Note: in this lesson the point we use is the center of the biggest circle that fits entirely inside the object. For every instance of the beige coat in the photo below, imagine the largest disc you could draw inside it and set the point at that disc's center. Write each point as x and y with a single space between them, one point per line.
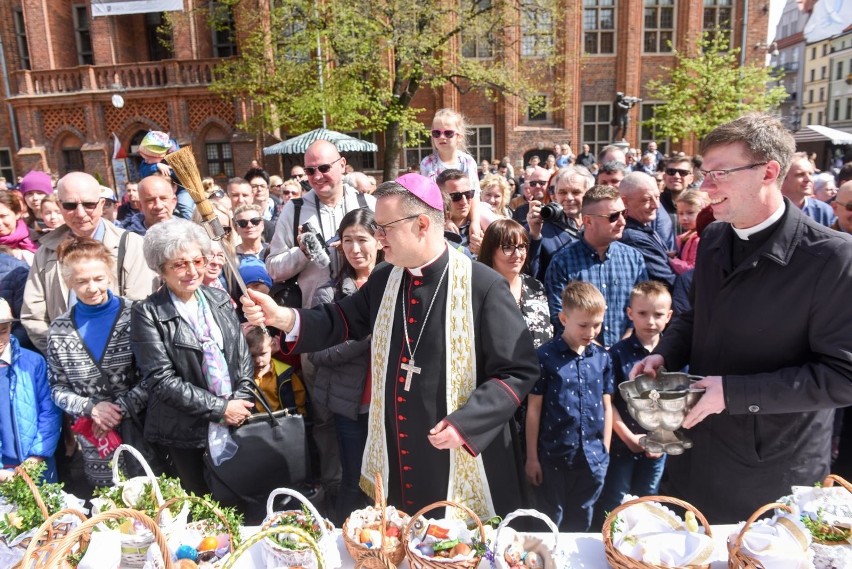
46 295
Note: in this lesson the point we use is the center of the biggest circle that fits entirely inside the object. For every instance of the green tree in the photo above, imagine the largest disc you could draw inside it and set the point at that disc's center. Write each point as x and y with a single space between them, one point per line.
360 63
708 89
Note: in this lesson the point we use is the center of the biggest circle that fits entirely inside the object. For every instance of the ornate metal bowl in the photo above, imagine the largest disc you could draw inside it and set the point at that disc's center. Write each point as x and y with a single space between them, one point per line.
660 405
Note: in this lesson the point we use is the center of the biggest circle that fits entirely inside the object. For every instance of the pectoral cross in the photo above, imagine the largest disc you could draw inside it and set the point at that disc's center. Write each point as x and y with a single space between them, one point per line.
410 370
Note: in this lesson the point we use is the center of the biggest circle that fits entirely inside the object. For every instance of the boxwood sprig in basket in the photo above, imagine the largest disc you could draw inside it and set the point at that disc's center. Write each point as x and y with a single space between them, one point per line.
147 503
28 514
201 512
823 531
304 520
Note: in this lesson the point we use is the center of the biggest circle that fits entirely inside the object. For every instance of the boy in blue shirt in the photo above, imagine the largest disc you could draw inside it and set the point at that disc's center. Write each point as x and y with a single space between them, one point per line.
632 470
569 413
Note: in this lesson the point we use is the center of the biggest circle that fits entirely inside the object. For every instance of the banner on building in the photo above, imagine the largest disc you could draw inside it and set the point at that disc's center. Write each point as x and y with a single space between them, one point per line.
122 7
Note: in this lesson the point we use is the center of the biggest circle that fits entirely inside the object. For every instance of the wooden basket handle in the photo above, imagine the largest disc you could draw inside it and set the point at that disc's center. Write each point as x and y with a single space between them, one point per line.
832 478
606 530
442 503
45 530
34 489
207 504
738 542
82 531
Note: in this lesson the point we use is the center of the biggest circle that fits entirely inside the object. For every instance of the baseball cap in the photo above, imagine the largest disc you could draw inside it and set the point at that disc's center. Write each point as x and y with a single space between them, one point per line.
107 194
254 271
6 312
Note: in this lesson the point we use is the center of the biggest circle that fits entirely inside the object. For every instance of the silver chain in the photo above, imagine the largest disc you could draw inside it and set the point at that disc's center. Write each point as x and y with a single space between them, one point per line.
428 312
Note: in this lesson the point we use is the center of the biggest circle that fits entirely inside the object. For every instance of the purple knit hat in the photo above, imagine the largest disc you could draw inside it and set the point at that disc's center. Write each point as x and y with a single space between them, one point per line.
36 181
424 188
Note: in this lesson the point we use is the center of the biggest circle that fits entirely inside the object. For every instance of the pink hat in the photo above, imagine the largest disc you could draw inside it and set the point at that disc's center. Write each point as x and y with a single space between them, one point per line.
36 181
424 188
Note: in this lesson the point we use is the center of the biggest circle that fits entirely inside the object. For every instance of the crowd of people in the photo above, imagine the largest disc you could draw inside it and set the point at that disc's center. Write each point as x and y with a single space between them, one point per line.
461 330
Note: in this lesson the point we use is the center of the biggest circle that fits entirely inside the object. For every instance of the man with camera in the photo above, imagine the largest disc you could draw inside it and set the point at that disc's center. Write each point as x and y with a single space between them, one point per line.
299 249
554 225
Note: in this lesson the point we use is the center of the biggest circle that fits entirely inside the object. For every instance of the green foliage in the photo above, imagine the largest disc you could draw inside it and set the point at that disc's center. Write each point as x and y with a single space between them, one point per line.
709 89
361 62
147 503
823 531
204 513
28 515
302 519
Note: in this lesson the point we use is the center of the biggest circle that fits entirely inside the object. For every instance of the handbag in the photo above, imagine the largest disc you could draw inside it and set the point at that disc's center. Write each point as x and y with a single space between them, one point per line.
272 453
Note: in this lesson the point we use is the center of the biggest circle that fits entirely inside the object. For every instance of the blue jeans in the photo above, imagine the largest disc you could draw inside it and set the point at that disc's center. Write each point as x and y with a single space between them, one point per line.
629 473
568 494
185 205
352 440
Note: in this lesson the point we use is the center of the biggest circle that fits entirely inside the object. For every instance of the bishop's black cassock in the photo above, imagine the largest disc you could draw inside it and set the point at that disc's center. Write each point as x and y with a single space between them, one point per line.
506 369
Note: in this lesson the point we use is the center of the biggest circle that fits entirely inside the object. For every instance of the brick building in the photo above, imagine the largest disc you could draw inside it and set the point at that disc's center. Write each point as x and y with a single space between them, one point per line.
64 68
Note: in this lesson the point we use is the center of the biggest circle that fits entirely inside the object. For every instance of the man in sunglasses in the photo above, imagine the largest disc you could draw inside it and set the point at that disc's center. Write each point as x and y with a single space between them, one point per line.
157 202
46 294
534 189
768 331
456 185
599 258
842 206
320 210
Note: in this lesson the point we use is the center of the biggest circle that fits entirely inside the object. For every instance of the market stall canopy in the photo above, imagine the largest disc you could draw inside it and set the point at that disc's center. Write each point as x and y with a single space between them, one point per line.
299 144
819 133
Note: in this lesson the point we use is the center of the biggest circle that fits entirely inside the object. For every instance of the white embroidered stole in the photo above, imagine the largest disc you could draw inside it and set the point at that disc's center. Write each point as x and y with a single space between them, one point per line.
468 484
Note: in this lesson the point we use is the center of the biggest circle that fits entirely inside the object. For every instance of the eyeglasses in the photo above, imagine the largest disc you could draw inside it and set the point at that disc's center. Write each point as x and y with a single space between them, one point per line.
673 171
323 168
446 133
288 193
243 223
258 186
182 266
539 183
611 217
382 228
457 196
217 195
88 206
717 176
276 185
847 206
508 250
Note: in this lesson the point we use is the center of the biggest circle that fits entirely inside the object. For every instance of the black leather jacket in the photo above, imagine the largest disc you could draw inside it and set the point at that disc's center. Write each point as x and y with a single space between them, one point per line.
170 360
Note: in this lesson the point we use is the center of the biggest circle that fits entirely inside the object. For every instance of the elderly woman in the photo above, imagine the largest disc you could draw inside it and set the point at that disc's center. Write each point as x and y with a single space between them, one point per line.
93 376
190 351
504 249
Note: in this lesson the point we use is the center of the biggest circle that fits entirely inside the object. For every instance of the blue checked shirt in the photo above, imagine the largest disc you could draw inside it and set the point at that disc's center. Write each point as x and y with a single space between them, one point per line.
572 386
615 276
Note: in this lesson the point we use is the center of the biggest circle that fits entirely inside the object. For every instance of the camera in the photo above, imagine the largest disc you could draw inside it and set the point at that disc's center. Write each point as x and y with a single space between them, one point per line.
550 210
314 246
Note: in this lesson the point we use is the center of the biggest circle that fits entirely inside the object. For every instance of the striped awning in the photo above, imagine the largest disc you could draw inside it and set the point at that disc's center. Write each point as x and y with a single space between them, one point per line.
299 144
819 133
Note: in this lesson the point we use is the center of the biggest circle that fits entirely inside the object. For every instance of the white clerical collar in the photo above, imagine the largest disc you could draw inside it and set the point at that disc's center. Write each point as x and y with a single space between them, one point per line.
744 234
418 271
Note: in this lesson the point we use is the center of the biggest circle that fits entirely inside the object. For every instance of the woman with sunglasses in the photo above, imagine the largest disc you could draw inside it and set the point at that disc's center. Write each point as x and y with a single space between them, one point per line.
504 249
191 354
14 232
248 221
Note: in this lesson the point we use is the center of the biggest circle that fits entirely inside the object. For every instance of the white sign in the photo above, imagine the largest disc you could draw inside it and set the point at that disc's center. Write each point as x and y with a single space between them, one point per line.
121 7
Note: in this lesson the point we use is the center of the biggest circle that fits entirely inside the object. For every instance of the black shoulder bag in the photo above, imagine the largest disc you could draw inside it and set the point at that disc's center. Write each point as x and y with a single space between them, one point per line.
272 453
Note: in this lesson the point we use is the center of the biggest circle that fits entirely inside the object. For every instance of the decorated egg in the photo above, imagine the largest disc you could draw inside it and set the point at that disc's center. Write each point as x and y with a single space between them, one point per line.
187 552
186 564
533 560
460 549
208 544
222 552
426 549
223 540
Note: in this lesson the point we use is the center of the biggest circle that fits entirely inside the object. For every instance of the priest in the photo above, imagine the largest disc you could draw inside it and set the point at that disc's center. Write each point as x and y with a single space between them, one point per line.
452 360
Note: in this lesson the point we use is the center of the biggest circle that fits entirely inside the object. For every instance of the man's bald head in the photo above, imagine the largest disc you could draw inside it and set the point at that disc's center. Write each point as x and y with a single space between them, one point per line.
328 185
84 190
635 183
641 196
157 199
533 187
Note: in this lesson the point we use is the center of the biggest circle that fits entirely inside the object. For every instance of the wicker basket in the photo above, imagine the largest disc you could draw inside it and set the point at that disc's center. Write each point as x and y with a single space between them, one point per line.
737 558
531 542
134 548
417 561
78 538
307 557
47 537
618 560
264 534
385 557
202 526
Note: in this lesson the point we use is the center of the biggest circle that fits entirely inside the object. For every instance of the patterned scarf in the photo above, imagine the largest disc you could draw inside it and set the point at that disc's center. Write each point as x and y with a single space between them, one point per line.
214 366
468 484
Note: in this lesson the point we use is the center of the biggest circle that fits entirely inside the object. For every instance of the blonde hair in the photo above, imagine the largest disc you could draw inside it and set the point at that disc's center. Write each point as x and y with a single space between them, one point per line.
695 198
499 181
451 116
579 295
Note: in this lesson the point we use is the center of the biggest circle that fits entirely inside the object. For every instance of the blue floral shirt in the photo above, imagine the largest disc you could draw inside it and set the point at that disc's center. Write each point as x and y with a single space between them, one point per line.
572 413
